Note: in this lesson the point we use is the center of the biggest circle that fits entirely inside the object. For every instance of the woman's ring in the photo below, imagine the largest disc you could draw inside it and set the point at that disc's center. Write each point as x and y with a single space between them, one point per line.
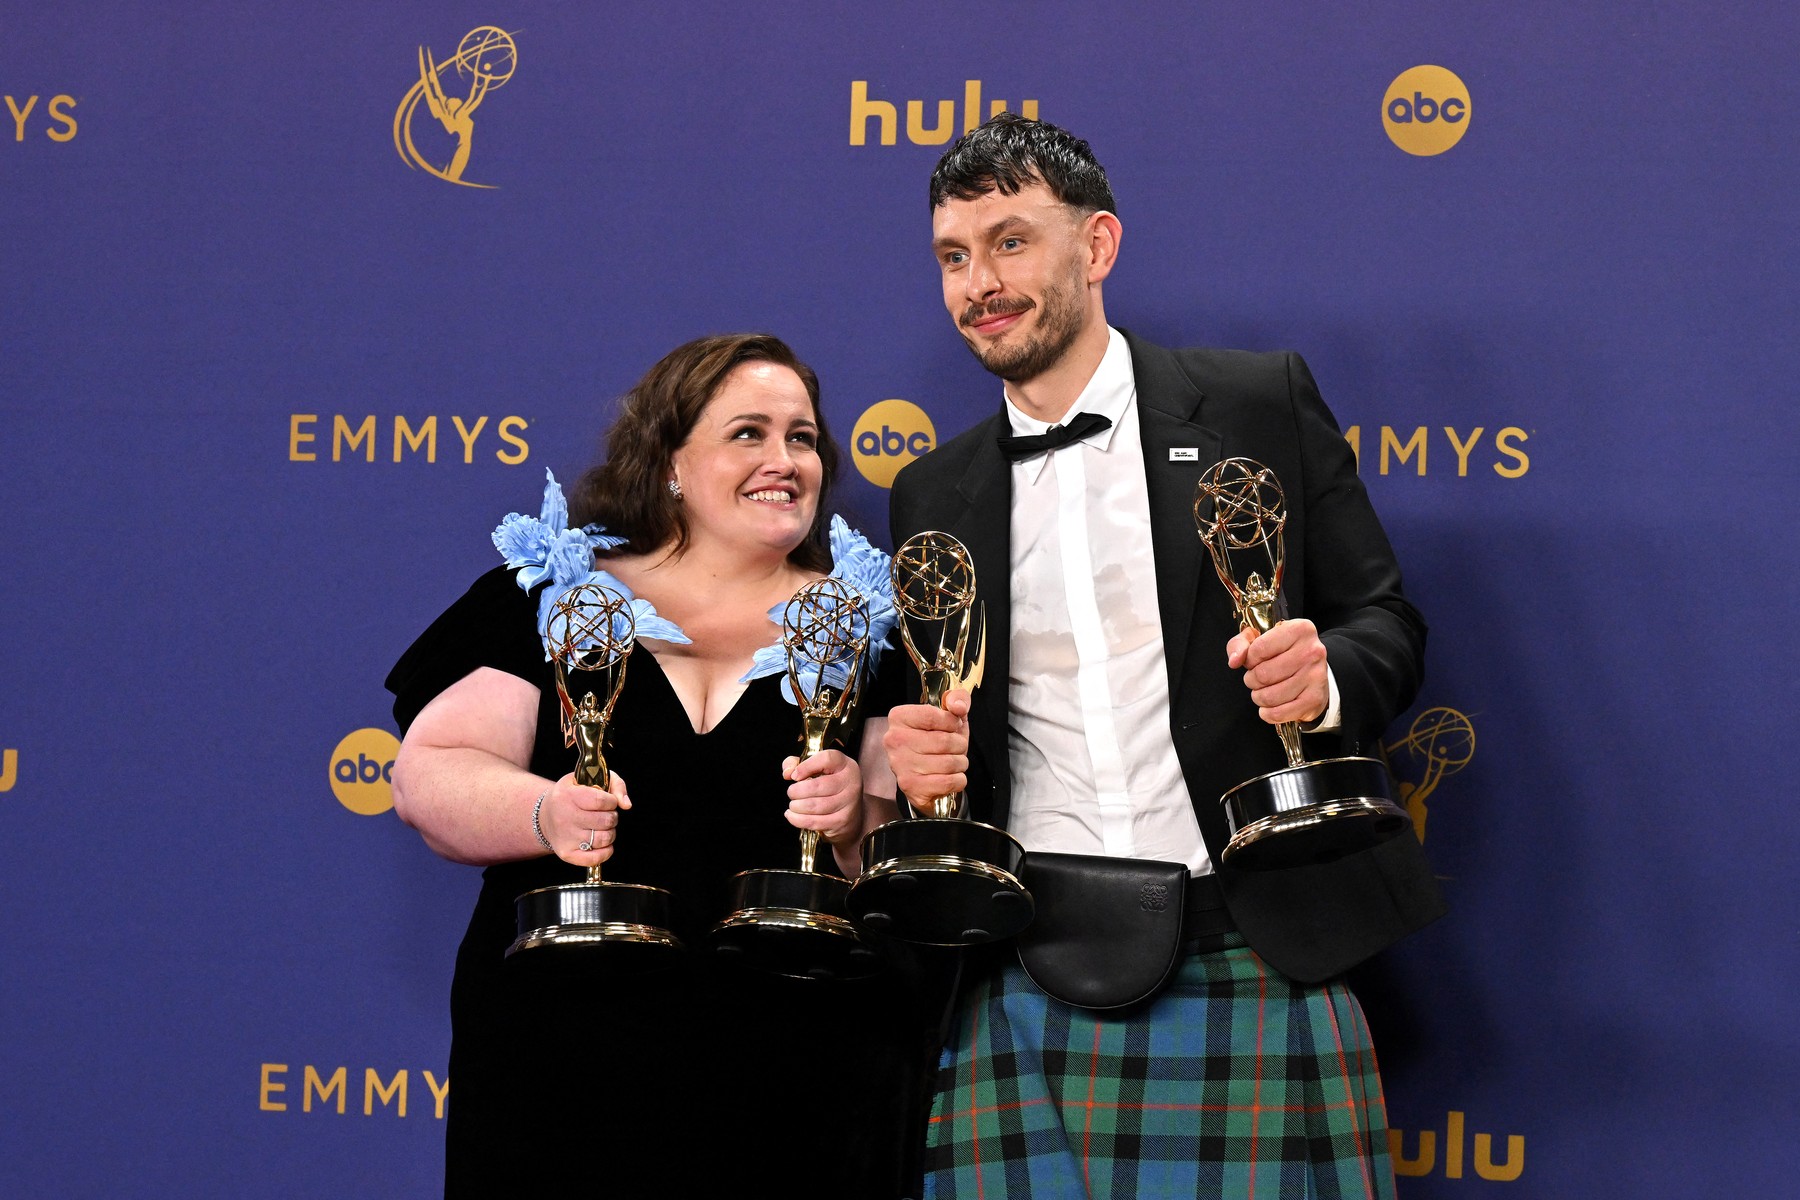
593 836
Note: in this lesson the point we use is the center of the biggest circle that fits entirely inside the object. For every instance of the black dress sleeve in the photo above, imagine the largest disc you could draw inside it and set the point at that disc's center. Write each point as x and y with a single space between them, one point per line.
494 624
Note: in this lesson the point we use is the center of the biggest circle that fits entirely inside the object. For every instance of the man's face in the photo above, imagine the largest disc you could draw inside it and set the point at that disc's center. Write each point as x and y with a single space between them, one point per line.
1015 277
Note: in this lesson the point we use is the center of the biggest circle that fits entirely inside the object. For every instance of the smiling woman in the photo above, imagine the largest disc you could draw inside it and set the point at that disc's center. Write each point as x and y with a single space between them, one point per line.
629 492
707 514
714 475
749 469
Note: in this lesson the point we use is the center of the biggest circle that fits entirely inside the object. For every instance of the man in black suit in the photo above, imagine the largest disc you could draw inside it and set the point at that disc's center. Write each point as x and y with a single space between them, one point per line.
1122 700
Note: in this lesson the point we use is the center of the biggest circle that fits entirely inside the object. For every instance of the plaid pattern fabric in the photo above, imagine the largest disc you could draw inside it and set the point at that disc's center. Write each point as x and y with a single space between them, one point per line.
1235 1082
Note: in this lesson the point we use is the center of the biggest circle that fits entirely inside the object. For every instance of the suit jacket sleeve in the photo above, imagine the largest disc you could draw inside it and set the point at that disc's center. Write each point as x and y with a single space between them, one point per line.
1313 922
1374 637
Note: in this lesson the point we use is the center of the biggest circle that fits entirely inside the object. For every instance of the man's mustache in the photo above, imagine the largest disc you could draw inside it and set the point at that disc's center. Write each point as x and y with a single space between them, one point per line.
998 308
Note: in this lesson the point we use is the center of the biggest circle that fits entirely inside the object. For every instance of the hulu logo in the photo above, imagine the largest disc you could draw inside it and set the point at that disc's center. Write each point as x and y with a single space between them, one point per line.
885 115
1426 1159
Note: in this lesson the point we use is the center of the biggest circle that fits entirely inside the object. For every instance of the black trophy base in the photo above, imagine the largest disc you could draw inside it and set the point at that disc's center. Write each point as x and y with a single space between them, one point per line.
623 927
941 882
793 923
1316 812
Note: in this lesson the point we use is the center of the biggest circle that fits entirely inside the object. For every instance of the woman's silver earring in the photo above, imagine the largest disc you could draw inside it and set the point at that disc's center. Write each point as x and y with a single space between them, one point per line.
675 488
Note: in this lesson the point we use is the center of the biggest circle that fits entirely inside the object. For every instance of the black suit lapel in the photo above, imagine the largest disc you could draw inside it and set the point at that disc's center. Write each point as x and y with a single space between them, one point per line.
985 527
1177 451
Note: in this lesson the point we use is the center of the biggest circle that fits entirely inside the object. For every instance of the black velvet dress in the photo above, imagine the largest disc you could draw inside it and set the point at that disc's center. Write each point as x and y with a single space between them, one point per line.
710 1078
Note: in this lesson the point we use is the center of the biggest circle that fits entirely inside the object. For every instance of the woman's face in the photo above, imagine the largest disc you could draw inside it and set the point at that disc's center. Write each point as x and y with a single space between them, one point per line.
749 469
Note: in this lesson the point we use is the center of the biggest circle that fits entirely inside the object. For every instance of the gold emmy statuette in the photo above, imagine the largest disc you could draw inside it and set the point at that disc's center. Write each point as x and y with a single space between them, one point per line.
591 631
795 922
1307 812
942 880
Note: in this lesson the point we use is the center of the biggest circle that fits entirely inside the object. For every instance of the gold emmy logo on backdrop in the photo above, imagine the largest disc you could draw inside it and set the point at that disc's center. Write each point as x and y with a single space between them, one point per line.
1443 740
361 771
9 769
488 57
1426 110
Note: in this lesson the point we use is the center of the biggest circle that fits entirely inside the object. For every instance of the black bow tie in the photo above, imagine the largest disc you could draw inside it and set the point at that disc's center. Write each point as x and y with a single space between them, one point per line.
1020 448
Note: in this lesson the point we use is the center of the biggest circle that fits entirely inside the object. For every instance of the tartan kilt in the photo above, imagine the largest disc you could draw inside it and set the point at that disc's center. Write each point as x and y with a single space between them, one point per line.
1235 1081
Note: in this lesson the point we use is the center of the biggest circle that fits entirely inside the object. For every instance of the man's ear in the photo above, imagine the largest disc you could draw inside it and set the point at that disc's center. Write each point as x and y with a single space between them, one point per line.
1102 231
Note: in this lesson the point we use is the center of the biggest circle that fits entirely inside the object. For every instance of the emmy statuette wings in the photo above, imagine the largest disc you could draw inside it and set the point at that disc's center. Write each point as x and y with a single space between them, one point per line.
796 922
942 880
593 634
792 922
1307 812
589 623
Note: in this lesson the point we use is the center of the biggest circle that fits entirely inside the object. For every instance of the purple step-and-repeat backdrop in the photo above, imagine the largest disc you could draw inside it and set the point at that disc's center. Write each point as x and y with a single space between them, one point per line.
285 333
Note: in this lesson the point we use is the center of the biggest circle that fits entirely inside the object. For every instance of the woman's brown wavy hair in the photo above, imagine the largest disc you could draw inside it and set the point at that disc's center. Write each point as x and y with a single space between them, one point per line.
628 492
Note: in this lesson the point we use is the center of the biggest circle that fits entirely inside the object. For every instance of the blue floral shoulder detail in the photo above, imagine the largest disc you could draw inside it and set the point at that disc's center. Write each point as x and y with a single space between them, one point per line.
865 568
544 548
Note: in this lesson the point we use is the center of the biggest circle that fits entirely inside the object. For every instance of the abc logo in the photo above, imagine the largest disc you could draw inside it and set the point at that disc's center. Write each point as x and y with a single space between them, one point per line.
888 436
1426 110
360 770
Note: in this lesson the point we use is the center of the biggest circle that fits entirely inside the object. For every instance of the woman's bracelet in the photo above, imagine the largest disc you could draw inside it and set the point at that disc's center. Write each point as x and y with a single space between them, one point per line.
537 811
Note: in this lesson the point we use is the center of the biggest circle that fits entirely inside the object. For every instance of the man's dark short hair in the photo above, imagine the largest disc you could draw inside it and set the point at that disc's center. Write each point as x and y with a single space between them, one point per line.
1008 153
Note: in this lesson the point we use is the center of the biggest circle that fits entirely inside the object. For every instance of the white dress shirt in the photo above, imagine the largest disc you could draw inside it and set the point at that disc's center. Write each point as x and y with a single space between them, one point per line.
1088 745
1092 760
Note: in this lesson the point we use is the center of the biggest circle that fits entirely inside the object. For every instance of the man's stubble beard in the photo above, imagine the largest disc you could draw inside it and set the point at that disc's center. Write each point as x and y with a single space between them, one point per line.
1059 324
